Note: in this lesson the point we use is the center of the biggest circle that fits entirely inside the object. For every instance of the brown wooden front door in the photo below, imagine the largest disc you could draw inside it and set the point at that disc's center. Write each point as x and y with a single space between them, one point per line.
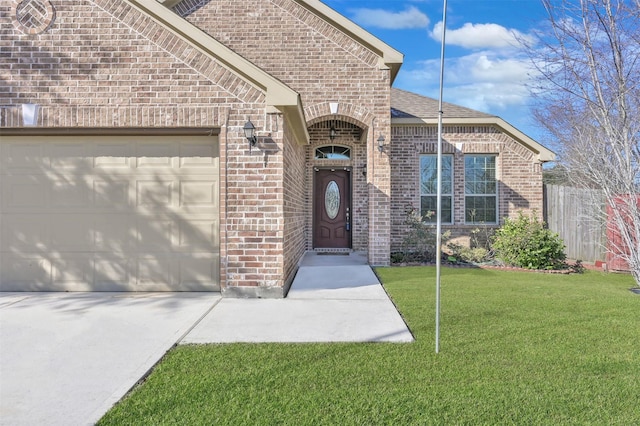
332 209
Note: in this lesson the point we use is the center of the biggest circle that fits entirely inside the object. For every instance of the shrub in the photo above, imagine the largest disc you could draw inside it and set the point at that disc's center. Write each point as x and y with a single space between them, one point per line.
469 254
419 244
526 243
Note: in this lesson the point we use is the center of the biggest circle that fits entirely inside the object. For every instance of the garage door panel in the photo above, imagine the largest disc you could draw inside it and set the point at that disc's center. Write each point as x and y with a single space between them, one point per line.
30 192
25 272
197 272
112 155
198 155
198 193
70 157
156 155
154 273
23 156
198 235
155 235
152 193
115 233
112 273
23 232
71 232
112 194
70 194
73 271
112 214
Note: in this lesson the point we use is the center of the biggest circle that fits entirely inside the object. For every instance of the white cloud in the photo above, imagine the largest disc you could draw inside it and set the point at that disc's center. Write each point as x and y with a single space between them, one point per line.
481 36
411 17
483 81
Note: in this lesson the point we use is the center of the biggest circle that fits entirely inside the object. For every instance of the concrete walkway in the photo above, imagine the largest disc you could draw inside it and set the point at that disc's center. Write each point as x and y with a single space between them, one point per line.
66 358
334 298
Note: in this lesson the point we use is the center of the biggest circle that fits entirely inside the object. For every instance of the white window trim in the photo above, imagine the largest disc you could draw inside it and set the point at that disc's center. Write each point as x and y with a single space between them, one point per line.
333 146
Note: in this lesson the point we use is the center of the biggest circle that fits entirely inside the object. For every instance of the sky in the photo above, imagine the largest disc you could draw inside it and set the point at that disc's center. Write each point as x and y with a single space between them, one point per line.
485 67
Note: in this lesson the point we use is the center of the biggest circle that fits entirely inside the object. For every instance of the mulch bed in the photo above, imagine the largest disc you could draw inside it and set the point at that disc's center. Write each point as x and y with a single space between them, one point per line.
571 269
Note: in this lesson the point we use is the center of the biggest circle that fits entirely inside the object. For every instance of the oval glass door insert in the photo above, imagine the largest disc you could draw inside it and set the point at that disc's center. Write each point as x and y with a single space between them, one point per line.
332 199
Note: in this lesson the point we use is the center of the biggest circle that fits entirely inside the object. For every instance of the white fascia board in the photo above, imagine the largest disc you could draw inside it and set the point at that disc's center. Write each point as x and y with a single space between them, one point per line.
169 3
544 154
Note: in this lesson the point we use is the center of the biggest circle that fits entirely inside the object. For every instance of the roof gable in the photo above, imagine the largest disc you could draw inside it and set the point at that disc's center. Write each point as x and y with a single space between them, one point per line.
389 57
278 94
412 109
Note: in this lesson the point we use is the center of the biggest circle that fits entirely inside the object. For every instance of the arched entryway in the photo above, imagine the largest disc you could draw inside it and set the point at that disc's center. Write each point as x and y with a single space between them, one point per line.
337 185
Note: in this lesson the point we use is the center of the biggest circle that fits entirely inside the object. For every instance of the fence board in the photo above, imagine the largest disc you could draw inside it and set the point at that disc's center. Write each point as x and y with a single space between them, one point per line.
577 216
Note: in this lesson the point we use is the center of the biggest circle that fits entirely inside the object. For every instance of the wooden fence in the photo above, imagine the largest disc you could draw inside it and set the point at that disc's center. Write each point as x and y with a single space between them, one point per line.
577 215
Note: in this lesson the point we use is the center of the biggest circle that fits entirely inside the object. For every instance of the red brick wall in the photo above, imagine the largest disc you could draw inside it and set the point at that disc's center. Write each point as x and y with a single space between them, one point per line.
254 223
519 174
95 66
295 214
324 65
104 64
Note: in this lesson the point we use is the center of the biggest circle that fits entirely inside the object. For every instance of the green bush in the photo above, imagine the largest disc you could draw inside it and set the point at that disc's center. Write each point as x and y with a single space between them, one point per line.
469 254
525 242
419 243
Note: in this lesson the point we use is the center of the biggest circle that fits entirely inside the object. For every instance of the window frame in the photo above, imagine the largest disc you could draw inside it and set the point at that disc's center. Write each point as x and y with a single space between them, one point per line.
493 195
435 194
339 156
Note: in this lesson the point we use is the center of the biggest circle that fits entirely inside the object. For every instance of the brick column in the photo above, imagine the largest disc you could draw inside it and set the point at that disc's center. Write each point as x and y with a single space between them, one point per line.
253 223
379 183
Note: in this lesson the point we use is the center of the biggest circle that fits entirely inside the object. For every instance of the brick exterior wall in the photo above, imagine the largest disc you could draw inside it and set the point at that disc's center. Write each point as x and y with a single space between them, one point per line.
105 64
324 65
96 66
254 223
519 174
295 213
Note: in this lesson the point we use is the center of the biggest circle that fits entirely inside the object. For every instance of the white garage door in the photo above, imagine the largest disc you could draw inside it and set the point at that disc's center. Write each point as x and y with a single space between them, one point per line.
109 213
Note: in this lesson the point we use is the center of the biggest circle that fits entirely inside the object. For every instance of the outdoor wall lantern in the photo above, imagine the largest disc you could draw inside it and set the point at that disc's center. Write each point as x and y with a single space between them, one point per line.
333 133
364 170
381 143
250 134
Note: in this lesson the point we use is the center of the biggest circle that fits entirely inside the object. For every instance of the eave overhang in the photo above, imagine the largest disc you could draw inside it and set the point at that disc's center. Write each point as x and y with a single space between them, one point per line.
544 154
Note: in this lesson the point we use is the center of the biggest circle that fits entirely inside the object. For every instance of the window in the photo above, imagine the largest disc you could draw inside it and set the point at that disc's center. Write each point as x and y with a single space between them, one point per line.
333 152
480 189
429 187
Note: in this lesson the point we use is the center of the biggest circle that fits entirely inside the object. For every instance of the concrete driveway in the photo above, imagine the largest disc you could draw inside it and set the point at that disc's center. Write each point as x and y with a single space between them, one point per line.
66 358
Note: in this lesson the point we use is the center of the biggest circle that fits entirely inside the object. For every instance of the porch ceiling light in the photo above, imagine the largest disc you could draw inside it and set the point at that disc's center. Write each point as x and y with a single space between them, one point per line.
381 143
250 134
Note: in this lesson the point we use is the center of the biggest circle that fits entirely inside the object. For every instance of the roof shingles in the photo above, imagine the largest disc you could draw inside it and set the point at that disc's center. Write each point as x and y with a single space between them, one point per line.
411 105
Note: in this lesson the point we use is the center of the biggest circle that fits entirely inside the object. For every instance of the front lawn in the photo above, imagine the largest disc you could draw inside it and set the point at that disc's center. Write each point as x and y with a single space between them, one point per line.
516 348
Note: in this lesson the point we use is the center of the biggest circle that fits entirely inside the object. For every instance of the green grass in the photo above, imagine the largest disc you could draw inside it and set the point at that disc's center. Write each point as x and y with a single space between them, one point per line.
515 348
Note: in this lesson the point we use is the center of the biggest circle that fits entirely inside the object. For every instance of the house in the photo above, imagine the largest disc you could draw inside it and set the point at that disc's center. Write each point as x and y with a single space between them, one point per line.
491 170
125 166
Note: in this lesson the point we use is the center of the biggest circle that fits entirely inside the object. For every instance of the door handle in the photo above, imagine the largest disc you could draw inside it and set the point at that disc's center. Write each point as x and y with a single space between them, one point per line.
348 217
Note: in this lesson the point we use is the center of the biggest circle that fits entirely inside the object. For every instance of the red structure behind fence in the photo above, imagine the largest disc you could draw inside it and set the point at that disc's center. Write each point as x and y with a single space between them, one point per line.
616 246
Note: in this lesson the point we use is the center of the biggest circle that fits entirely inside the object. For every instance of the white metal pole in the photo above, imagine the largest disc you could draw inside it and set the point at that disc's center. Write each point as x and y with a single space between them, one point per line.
439 183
